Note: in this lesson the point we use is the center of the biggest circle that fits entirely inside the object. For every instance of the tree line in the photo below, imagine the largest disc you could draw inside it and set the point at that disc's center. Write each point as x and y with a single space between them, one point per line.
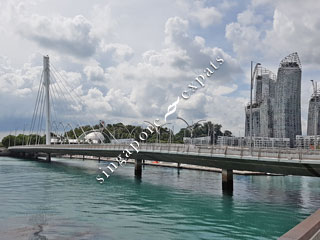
121 131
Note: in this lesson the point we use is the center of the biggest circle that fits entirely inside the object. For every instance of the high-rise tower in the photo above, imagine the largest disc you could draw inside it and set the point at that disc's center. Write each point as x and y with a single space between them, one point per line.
314 112
287 107
262 107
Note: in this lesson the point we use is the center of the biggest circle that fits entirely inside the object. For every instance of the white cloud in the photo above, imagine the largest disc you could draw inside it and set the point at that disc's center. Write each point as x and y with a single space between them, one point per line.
113 53
66 35
294 28
205 16
249 18
162 75
245 40
112 105
223 90
94 73
19 83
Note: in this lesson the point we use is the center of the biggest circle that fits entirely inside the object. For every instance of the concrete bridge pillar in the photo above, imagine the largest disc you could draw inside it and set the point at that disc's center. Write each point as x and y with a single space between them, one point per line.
48 157
227 180
138 168
178 167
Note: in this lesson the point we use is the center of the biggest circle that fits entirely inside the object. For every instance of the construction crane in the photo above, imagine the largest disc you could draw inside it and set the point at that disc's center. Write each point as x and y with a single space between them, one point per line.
315 87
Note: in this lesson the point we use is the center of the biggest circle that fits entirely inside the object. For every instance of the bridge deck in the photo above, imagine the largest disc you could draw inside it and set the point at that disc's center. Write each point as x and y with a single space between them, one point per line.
282 161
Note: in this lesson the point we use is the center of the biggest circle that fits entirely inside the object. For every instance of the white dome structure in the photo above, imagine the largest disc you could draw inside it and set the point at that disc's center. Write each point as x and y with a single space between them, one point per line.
93 137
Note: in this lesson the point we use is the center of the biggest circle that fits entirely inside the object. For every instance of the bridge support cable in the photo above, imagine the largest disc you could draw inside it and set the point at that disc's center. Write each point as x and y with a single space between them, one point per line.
72 98
38 116
57 97
71 91
54 118
62 96
58 83
63 89
33 128
53 91
39 128
35 110
53 104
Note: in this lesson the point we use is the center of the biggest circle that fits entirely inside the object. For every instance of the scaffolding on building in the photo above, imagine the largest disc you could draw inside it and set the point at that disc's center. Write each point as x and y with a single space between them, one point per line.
262 106
313 127
292 60
276 106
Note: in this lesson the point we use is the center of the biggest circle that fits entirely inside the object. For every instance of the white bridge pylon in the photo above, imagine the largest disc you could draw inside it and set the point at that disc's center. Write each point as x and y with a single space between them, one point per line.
46 82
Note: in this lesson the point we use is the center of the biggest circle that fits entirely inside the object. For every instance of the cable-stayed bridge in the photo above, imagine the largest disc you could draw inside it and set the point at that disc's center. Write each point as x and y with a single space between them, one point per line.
56 97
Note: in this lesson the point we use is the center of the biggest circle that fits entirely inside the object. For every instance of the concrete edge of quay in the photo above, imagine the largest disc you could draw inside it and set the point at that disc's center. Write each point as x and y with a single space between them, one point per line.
4 152
308 229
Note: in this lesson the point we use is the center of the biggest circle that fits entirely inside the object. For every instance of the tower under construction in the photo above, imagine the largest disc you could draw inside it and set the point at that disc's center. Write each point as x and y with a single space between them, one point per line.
313 113
262 107
276 107
287 107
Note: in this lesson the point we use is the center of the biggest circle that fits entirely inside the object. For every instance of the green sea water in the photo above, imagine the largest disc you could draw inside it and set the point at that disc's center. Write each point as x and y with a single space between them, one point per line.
62 200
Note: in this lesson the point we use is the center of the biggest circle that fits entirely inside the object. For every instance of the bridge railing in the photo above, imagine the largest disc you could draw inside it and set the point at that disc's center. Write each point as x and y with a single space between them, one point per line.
206 150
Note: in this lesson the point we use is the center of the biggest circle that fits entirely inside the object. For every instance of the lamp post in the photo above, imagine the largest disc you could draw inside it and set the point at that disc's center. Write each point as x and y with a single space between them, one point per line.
251 88
10 139
130 133
15 136
153 126
103 125
158 132
133 131
190 127
24 126
171 132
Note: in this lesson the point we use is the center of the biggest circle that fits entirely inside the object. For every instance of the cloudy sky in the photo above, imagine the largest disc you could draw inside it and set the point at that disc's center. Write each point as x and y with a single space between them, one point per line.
128 60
